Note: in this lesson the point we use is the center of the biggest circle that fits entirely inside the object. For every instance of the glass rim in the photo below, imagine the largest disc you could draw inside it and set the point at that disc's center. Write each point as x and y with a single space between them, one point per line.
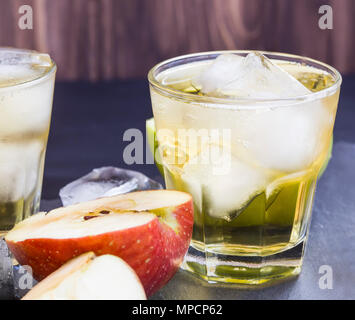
35 80
185 96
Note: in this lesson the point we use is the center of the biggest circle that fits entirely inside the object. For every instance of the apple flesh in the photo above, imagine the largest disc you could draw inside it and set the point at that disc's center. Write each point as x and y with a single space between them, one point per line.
88 277
150 230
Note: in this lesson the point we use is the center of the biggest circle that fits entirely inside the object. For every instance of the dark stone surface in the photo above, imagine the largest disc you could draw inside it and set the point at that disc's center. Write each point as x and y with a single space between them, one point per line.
87 128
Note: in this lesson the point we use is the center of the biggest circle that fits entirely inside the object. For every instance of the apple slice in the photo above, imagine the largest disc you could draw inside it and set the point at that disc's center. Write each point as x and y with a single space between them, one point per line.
150 230
88 277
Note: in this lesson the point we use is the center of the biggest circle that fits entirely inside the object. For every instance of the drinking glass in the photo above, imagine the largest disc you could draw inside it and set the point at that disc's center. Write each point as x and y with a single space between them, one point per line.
251 164
26 93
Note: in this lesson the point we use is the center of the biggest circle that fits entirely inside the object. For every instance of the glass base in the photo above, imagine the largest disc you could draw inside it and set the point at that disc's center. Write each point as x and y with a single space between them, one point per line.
245 270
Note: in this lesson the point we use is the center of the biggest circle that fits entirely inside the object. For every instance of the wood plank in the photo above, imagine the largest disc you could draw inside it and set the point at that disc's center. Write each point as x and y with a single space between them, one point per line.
107 39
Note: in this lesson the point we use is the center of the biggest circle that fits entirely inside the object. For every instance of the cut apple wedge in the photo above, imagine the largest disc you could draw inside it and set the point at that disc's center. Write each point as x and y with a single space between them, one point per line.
150 230
88 277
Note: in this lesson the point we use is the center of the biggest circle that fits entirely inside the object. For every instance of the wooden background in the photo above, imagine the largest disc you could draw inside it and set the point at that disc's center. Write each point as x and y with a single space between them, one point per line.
107 39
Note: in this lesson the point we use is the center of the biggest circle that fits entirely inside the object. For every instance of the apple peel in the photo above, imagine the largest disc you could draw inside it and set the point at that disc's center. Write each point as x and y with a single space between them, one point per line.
150 230
88 277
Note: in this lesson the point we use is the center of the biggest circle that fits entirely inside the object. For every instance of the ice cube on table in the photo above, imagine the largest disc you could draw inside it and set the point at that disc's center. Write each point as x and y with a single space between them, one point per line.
253 76
105 182
225 185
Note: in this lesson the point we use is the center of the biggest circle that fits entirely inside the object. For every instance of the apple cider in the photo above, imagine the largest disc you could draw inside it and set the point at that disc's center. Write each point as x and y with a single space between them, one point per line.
247 135
26 91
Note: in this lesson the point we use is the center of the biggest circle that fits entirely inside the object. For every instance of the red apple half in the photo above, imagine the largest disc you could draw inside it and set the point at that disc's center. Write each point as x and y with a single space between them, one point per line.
150 230
88 277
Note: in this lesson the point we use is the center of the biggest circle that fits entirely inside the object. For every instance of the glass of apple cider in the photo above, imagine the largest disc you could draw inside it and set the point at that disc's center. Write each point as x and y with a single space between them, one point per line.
26 92
246 133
